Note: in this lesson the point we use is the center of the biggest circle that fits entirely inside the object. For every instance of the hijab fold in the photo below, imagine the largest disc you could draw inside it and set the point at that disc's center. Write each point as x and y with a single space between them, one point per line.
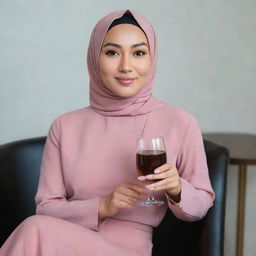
102 100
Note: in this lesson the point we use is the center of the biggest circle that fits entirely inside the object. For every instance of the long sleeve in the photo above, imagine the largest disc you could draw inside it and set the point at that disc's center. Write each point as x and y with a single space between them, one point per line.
197 194
51 198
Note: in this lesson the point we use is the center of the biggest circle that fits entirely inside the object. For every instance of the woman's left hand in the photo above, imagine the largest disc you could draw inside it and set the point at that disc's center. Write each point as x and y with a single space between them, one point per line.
169 181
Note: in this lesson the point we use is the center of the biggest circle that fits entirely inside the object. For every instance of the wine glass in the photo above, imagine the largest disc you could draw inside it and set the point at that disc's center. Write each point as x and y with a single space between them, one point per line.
150 154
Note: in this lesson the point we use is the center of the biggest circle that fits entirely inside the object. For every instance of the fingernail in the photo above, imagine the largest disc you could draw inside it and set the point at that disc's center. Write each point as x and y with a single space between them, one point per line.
141 178
157 171
150 186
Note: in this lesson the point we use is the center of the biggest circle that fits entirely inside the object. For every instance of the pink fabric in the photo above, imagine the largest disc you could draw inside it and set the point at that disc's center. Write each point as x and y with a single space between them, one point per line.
48 236
88 153
83 161
102 99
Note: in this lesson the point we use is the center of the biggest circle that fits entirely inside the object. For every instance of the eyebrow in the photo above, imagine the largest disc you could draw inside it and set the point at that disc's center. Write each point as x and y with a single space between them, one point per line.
119 46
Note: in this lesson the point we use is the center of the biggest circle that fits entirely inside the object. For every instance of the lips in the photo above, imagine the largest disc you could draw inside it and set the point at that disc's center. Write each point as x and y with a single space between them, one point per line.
125 80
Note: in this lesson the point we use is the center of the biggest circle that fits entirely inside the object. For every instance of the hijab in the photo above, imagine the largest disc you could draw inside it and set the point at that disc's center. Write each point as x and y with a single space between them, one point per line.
104 101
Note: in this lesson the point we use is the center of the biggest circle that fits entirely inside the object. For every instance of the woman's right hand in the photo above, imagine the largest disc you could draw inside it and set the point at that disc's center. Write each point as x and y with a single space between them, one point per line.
126 195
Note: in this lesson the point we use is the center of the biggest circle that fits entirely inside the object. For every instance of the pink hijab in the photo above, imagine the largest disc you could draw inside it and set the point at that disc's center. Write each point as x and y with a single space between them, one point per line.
102 100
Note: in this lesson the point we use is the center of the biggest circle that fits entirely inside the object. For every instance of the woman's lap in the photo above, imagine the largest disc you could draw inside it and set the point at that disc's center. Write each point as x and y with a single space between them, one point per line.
45 235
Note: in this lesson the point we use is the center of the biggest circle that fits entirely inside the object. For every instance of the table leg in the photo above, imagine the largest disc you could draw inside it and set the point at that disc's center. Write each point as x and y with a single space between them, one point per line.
241 210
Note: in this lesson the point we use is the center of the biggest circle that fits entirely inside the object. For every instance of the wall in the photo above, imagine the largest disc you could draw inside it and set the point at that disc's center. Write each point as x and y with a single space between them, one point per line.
207 52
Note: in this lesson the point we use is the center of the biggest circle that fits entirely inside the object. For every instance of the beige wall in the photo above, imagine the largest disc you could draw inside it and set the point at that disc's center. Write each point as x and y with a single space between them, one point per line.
207 52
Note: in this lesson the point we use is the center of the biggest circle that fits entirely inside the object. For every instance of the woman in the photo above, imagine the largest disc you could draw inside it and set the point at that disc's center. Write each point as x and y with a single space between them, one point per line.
88 194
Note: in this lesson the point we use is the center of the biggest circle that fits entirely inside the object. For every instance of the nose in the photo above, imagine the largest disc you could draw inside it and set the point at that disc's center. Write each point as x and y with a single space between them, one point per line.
124 65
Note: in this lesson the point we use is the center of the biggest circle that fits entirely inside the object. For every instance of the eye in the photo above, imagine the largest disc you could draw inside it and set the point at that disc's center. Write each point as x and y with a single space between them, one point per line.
139 53
111 53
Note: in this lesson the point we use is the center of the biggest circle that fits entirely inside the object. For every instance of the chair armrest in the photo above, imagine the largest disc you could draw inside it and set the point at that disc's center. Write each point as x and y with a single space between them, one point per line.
174 237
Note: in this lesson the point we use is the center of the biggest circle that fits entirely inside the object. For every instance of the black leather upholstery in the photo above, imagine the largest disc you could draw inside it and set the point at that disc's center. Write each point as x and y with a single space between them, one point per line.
19 173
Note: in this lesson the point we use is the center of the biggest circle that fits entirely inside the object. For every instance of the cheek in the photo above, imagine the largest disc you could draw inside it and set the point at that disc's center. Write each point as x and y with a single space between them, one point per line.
144 68
106 67
102 68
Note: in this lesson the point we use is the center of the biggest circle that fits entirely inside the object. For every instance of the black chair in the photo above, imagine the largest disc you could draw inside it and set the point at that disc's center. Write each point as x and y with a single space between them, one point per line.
19 173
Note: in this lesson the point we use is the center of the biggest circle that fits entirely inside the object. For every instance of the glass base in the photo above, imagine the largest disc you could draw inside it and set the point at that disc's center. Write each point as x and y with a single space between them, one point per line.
149 203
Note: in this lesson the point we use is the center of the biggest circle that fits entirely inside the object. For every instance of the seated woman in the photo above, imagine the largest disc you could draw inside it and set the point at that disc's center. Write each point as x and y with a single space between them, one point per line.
89 189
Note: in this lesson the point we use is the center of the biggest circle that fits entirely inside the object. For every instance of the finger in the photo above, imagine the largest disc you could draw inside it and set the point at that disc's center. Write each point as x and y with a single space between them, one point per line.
160 183
160 176
167 173
124 204
141 178
174 190
135 187
128 200
121 201
174 187
128 192
162 168
171 173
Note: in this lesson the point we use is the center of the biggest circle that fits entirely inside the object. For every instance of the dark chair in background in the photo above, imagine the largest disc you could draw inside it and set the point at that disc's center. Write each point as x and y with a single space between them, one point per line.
19 173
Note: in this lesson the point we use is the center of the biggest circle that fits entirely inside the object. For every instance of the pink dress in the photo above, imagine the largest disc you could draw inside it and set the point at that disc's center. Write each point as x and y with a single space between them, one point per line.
81 163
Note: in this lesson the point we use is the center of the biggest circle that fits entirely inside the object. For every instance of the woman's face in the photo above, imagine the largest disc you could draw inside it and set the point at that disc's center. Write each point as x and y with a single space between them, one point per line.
124 60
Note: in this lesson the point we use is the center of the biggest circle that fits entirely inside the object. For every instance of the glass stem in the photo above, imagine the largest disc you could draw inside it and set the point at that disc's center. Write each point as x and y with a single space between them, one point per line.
150 196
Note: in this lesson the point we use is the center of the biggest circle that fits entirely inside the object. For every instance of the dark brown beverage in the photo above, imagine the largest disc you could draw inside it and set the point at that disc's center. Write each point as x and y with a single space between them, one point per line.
149 160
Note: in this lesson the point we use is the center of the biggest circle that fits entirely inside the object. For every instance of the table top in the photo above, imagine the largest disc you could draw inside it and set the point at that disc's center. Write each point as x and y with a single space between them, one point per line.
242 147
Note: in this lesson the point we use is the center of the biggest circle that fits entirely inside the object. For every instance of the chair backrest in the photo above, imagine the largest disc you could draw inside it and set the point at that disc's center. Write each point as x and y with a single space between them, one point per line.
19 173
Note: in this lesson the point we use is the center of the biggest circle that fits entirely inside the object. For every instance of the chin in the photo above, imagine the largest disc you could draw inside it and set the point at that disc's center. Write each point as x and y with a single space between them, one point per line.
126 94
122 95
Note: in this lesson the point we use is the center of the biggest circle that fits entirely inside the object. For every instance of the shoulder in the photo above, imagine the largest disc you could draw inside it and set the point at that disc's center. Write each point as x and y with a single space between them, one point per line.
74 115
72 118
175 115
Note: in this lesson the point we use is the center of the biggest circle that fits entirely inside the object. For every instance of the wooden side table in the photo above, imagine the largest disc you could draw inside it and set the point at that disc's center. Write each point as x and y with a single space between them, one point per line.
242 149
